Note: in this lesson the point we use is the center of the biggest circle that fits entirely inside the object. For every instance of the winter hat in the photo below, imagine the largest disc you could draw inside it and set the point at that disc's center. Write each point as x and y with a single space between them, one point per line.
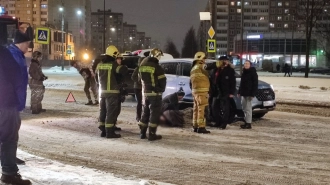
180 93
21 37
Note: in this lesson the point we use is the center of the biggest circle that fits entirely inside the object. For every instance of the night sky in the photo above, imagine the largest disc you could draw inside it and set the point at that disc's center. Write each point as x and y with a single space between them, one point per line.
160 19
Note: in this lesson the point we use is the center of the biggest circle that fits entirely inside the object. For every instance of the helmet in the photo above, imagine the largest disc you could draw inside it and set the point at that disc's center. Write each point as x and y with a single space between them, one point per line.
112 51
156 53
199 56
36 55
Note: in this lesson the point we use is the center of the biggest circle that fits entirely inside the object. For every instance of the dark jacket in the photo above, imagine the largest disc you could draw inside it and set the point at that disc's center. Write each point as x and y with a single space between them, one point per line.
36 74
106 72
170 102
12 88
136 77
223 81
249 83
153 78
20 60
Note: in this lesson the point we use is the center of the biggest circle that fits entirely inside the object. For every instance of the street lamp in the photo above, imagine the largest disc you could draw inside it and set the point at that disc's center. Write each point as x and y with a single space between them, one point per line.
61 9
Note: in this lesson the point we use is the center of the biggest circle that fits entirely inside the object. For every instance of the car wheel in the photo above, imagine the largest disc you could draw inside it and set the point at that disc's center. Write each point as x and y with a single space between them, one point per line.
258 115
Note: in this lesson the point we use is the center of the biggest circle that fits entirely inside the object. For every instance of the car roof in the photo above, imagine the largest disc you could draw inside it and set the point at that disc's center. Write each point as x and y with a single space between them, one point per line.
190 60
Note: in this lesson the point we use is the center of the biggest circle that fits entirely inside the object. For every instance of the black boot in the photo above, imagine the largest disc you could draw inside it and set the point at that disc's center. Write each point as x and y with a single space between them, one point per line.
110 133
19 161
194 129
246 126
223 126
96 102
202 130
117 128
143 132
14 179
152 134
90 102
102 128
243 126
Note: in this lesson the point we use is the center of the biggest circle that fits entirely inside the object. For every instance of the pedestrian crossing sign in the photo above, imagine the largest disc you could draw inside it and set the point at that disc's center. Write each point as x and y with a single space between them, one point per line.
42 35
211 45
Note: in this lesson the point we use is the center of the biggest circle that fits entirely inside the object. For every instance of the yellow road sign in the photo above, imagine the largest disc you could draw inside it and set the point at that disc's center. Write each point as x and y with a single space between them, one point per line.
211 32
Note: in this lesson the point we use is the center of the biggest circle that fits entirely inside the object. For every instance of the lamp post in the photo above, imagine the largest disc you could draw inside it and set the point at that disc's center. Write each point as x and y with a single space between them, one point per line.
61 9
79 13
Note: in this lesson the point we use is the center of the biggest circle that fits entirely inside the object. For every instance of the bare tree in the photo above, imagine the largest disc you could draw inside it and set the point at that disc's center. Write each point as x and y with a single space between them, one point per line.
309 14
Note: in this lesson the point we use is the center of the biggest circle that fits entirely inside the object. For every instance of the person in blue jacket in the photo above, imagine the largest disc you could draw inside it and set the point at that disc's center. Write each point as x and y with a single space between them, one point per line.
13 87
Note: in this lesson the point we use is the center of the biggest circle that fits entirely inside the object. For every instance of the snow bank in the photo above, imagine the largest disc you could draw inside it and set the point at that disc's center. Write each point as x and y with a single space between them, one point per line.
58 69
45 171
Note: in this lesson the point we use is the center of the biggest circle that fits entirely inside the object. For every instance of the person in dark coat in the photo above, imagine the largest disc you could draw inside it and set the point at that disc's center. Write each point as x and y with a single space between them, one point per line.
90 83
248 90
278 67
287 70
13 90
171 115
138 89
223 89
36 83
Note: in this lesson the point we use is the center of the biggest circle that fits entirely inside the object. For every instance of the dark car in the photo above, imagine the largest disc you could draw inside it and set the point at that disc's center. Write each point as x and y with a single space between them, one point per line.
178 77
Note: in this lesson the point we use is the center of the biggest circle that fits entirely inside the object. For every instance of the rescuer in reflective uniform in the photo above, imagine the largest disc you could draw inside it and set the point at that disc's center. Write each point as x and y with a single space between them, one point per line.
153 85
200 84
109 90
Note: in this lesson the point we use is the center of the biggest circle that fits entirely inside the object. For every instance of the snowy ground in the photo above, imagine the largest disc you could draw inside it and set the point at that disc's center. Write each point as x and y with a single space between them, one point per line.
282 148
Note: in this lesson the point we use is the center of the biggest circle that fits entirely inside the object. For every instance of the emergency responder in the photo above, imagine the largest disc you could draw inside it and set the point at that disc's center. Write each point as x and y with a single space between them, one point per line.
121 84
223 83
200 85
109 88
36 83
138 90
89 76
153 85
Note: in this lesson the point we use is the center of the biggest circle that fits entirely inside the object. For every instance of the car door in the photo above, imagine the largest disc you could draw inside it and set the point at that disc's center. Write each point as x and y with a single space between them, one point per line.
183 80
171 71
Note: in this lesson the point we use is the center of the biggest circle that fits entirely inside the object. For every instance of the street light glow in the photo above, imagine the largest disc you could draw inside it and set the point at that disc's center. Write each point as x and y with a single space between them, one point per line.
79 12
130 38
113 29
61 9
86 56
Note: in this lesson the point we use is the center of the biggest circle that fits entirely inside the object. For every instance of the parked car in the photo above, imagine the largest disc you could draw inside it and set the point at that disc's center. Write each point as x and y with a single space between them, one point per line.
178 77
131 61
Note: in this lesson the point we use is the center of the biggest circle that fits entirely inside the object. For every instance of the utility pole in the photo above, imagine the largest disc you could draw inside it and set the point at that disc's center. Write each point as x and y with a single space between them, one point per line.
242 31
104 28
62 22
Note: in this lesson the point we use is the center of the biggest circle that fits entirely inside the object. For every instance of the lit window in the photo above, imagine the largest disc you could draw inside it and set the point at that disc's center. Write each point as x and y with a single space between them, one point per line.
247 3
262 18
272 25
43 6
287 4
238 10
286 11
279 18
286 25
279 4
232 3
238 3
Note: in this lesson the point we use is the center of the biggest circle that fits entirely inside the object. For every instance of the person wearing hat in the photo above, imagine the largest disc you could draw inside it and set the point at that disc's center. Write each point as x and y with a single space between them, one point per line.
171 115
36 83
200 85
90 84
223 82
13 87
171 102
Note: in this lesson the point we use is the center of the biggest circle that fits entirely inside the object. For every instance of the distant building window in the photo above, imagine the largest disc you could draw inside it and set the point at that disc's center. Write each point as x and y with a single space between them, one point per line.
239 10
286 25
271 25
232 3
279 4
286 11
43 6
279 18
238 3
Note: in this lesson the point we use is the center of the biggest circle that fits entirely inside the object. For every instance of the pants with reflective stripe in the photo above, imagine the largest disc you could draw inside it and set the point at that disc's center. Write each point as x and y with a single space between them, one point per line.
109 110
200 102
151 110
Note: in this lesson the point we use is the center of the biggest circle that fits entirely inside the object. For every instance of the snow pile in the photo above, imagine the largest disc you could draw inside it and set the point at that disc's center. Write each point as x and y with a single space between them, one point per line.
45 171
58 69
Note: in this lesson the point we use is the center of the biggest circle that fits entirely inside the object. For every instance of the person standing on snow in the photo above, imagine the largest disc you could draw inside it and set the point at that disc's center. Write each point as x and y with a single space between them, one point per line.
106 71
200 85
13 90
36 83
153 81
248 90
90 84
138 89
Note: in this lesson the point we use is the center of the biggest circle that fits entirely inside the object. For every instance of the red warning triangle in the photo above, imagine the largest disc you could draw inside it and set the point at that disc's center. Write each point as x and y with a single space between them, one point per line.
70 98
